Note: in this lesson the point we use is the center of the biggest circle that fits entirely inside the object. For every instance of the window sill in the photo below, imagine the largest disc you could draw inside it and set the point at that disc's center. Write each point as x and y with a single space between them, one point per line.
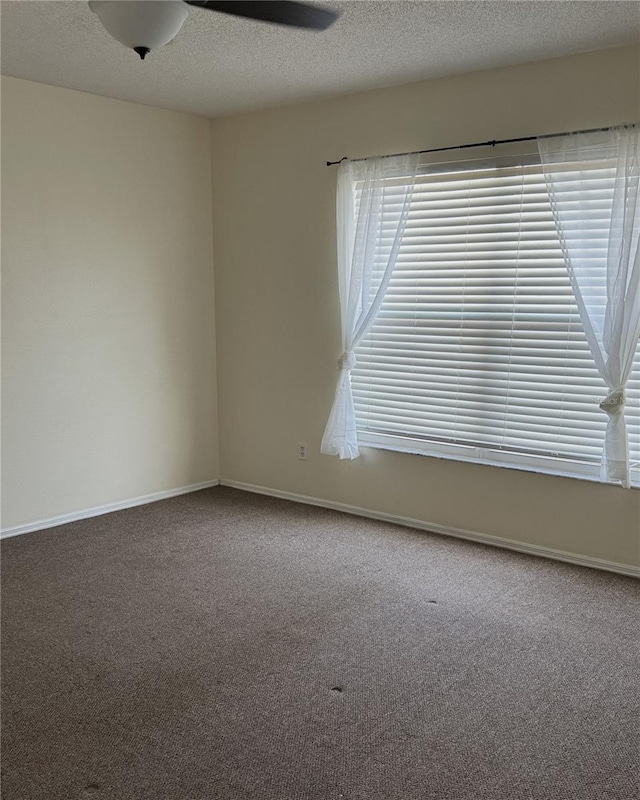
564 468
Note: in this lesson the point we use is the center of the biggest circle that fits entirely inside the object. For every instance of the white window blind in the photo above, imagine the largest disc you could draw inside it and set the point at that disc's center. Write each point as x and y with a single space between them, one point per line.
477 352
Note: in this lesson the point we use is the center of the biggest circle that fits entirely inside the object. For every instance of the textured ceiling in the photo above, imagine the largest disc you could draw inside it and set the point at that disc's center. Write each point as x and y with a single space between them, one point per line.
220 65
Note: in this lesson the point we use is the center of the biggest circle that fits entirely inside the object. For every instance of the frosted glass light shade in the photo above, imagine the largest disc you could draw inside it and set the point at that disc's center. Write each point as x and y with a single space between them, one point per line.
141 23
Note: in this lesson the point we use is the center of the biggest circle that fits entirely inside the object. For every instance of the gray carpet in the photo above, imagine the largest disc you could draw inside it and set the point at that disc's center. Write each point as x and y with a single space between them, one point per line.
227 645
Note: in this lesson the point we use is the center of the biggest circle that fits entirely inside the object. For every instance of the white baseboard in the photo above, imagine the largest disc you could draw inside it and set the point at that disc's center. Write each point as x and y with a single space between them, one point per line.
496 541
96 511
482 538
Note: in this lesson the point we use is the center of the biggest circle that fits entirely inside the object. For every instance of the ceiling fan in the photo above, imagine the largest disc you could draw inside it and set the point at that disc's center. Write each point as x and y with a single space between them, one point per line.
145 25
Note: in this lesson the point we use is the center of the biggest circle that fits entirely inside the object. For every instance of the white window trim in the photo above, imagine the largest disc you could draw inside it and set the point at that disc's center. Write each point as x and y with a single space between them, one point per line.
563 467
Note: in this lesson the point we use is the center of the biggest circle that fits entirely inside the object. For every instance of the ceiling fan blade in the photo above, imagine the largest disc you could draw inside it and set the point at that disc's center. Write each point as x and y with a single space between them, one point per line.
296 15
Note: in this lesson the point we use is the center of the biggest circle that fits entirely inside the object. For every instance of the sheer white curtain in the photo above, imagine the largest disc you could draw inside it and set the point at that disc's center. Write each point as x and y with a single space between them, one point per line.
606 284
373 202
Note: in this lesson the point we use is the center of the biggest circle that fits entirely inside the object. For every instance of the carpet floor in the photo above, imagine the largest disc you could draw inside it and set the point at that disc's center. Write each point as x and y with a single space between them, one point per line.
226 646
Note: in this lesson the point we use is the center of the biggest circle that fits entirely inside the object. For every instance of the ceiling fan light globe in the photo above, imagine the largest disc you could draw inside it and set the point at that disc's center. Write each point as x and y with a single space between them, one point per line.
141 23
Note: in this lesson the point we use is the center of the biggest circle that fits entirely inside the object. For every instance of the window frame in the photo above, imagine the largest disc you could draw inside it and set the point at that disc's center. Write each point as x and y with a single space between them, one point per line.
582 469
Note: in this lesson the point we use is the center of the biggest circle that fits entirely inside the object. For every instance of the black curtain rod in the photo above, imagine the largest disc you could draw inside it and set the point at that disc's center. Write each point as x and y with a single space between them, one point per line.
491 143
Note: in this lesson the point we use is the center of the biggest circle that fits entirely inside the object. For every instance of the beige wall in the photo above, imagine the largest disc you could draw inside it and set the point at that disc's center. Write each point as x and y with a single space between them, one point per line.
108 325
277 307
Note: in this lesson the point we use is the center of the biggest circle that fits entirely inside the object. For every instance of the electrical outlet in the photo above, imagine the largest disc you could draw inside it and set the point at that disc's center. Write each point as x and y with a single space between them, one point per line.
303 451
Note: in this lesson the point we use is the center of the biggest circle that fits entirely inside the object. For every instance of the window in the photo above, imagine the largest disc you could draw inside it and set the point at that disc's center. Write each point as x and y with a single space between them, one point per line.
478 337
